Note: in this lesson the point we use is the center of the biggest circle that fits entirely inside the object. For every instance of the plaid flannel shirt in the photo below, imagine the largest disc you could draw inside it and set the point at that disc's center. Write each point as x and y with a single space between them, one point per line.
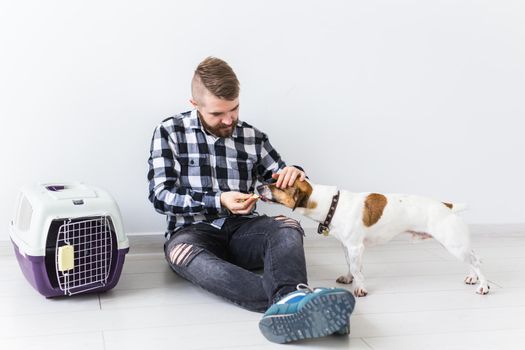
189 168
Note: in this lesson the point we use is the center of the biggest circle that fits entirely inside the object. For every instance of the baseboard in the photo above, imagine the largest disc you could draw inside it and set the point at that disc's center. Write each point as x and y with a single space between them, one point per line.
497 230
475 229
514 229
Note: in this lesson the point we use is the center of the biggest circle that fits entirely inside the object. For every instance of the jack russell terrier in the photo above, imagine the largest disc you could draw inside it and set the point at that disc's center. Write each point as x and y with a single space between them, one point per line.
359 220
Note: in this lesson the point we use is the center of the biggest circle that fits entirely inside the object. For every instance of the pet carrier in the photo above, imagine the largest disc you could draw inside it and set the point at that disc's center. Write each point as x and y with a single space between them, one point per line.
68 238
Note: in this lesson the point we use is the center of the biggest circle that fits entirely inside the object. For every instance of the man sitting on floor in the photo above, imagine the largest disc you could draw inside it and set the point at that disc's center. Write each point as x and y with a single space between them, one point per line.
203 167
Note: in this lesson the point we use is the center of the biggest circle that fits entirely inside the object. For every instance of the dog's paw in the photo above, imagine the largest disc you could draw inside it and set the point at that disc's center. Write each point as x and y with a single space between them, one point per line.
471 279
360 292
345 279
483 289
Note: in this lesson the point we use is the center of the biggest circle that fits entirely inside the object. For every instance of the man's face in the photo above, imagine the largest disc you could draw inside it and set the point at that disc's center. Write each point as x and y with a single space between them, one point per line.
218 116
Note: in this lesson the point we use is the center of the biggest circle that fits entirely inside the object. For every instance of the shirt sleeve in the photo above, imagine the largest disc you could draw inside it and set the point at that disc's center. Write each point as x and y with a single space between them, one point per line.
166 196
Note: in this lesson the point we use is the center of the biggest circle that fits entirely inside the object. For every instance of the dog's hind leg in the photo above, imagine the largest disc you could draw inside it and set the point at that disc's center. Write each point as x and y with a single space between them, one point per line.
475 274
348 278
453 234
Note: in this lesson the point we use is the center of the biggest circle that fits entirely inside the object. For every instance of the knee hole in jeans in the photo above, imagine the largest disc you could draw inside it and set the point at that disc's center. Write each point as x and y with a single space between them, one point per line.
181 254
287 222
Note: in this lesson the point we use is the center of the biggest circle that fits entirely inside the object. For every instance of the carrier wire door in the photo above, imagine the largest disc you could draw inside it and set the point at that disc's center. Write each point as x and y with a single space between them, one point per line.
84 254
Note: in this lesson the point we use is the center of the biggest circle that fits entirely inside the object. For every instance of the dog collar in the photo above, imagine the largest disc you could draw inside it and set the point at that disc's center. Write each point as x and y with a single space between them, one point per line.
323 227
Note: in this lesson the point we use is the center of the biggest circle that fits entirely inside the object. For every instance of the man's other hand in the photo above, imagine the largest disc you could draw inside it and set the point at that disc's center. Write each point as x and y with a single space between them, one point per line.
237 202
288 176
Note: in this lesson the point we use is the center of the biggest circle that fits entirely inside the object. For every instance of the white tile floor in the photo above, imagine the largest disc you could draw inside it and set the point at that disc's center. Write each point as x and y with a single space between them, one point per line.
417 300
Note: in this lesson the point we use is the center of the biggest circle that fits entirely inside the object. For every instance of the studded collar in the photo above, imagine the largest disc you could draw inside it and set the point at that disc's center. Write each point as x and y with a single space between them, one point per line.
323 227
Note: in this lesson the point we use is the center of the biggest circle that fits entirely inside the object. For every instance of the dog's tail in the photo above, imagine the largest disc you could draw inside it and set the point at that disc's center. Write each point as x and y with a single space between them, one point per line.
457 207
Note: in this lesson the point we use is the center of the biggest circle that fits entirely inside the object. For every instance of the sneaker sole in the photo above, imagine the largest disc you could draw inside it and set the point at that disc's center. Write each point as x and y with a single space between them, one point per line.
322 316
343 331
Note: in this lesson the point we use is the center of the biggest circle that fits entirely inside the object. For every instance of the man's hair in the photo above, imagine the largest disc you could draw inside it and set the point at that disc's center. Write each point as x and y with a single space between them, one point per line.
217 77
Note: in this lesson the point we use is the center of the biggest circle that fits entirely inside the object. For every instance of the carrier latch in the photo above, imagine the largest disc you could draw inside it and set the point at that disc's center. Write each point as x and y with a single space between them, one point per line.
66 258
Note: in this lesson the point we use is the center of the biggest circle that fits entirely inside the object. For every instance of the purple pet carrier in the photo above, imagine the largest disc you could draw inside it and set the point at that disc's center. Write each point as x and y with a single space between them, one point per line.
68 238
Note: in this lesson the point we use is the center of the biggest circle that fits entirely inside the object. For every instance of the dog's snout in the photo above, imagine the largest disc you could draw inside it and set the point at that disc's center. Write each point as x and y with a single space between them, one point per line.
264 192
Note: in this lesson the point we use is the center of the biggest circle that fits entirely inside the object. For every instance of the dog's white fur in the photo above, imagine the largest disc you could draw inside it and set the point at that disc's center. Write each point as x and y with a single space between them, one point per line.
402 214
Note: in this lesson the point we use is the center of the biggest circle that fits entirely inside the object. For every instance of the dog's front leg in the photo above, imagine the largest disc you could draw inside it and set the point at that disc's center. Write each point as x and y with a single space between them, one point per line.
348 278
355 254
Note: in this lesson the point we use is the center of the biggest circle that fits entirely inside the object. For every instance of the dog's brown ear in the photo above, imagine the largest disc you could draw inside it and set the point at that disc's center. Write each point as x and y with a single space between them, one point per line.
303 190
301 199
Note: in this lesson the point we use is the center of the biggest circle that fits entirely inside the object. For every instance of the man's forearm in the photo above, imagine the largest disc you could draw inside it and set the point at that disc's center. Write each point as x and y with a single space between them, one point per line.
171 201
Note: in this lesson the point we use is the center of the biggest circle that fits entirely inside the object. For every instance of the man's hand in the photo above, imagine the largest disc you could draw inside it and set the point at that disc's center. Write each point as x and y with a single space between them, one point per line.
237 202
288 176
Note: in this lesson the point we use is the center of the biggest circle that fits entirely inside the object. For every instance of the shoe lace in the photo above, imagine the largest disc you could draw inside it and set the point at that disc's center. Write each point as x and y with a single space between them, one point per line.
304 287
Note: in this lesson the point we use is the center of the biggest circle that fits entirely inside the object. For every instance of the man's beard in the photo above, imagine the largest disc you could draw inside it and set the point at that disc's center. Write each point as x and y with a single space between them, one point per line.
220 130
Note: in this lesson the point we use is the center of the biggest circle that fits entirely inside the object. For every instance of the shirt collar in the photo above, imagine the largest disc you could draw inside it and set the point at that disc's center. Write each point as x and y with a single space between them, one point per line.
194 122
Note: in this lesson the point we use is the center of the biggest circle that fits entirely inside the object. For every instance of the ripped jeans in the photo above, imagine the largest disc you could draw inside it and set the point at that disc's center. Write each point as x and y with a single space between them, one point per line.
222 261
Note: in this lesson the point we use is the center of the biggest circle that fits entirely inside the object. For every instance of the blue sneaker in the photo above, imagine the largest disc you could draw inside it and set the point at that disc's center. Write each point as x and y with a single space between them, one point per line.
308 313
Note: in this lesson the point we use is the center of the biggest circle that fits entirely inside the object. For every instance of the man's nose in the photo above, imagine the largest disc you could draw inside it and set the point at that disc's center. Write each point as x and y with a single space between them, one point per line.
227 120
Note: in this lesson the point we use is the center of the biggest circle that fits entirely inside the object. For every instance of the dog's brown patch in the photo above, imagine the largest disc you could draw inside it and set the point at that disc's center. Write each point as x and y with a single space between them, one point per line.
312 205
302 194
449 205
374 205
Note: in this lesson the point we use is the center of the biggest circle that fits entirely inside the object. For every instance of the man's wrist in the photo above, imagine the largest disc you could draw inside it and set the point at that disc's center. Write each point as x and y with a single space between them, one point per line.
223 209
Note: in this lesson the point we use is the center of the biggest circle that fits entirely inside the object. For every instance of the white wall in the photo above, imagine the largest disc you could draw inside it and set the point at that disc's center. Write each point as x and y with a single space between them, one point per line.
413 96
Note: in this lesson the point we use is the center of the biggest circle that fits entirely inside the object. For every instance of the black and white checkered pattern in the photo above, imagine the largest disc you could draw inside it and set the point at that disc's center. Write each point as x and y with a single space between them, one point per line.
189 168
